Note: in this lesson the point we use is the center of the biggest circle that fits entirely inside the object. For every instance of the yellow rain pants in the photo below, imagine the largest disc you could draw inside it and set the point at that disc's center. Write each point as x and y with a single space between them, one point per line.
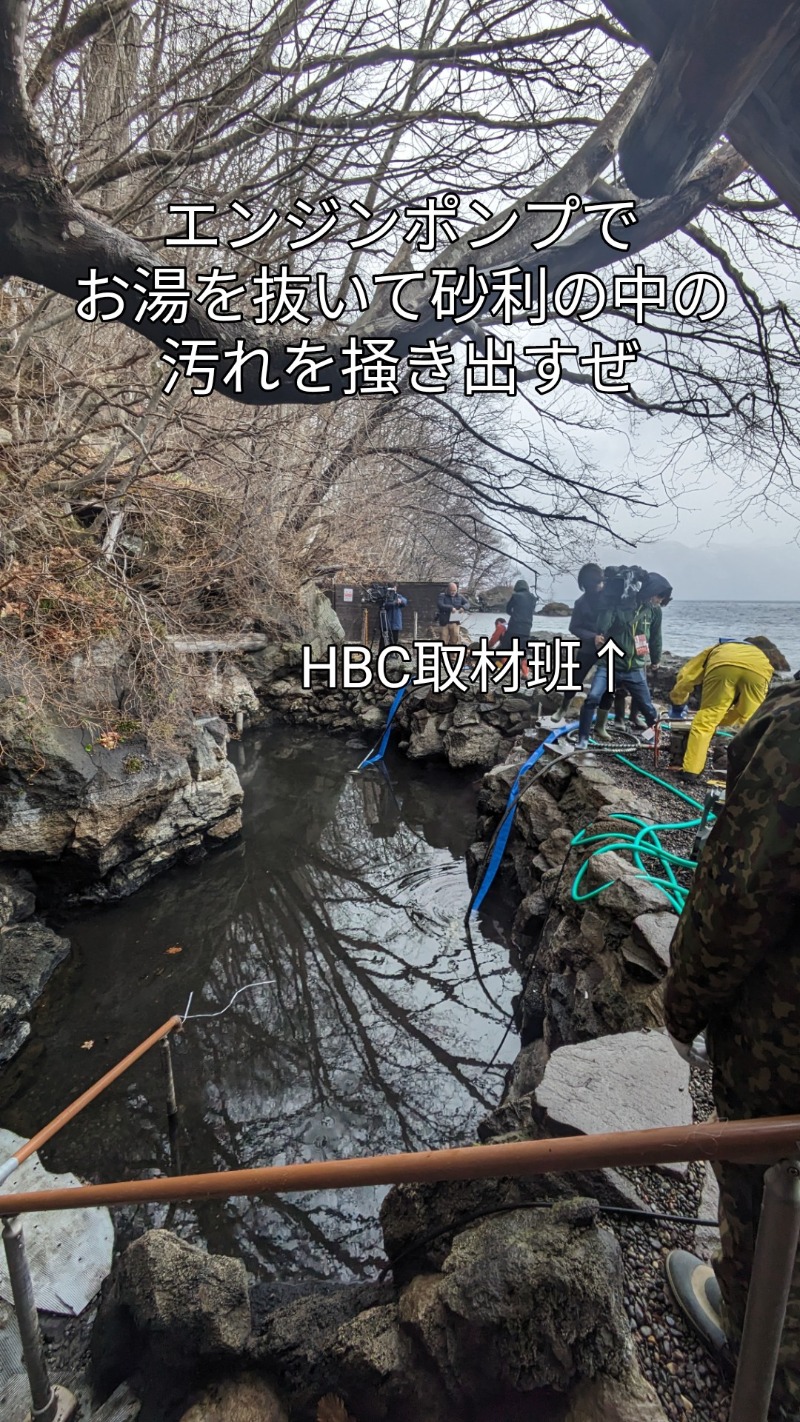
735 680
730 696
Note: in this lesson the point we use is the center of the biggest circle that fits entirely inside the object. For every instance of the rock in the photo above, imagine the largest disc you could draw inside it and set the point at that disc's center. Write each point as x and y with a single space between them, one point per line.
555 609
528 1070
706 1237
326 629
629 1398
295 1340
776 657
17 898
104 821
471 745
374 1360
227 828
530 915
495 599
171 1301
29 955
653 932
538 814
243 1399
590 793
496 787
372 719
626 897
230 691
466 713
525 1301
426 739
632 1081
641 958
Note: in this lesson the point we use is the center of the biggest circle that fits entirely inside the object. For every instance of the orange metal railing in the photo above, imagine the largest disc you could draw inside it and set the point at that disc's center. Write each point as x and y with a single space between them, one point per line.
754 1142
81 1102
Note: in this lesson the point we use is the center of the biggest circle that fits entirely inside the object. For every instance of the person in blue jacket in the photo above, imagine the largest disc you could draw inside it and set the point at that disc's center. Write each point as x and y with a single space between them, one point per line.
391 616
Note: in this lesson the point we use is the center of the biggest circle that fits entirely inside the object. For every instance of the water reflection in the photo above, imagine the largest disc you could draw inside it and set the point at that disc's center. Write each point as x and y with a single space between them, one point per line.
349 893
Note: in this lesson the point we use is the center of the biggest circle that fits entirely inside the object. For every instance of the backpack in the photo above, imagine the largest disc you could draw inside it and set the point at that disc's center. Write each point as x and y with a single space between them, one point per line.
622 586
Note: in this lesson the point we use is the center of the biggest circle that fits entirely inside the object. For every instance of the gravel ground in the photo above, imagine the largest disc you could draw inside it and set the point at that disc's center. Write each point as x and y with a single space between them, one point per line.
659 804
688 1380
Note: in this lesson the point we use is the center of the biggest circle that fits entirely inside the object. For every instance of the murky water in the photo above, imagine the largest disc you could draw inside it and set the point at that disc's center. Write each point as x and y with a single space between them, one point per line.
348 894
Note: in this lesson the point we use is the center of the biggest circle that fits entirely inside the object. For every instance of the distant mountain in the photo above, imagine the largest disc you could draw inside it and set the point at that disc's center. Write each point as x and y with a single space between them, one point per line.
720 573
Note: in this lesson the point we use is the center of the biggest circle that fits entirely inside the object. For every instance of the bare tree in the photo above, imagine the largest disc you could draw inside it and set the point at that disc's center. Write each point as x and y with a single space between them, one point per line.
189 509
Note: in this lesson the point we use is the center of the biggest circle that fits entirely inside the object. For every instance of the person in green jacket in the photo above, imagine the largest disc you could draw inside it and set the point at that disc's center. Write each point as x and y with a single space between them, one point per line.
636 630
734 976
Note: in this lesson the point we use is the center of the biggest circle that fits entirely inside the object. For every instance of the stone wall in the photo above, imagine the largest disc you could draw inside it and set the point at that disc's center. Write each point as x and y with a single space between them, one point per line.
588 969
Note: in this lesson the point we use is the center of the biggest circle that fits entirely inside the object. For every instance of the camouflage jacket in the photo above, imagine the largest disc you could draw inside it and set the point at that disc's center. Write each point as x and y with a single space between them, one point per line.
736 951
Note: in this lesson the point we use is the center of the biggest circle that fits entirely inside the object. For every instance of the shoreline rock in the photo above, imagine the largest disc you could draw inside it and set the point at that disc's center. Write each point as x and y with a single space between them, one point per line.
95 823
30 952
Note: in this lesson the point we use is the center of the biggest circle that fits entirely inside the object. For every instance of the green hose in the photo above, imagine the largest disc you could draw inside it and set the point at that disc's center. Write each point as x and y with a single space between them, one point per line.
644 844
665 785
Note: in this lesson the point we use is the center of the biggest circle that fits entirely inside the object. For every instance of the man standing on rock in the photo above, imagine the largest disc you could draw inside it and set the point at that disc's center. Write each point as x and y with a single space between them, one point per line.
735 975
636 630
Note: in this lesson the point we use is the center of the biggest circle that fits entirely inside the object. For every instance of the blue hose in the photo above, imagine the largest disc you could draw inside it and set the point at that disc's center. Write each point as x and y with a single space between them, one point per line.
378 752
504 828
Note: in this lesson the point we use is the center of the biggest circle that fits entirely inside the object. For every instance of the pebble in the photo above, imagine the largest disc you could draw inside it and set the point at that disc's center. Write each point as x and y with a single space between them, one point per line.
684 1375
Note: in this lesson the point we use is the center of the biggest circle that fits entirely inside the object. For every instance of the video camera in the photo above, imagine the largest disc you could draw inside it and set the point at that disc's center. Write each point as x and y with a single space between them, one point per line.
378 593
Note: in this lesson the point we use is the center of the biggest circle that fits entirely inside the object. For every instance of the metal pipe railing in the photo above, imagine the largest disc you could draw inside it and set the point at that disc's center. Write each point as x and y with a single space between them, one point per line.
768 1294
81 1102
748 1142
48 1403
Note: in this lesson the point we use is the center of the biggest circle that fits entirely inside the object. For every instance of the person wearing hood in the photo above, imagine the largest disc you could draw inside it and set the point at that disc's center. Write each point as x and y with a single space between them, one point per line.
734 678
583 626
636 630
520 608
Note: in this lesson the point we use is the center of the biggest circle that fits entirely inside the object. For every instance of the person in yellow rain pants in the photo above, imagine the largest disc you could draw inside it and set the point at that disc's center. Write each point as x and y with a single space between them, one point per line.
735 678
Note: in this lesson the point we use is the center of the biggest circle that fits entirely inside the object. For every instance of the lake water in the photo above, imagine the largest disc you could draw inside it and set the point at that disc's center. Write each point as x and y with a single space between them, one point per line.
690 626
347 894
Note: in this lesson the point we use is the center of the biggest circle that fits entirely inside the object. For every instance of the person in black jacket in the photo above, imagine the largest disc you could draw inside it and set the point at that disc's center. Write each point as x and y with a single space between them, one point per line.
583 625
450 608
520 608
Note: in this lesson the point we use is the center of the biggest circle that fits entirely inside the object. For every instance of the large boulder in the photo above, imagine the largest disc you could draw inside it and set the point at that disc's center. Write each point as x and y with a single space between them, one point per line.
109 817
472 745
632 1081
426 740
172 1302
526 1302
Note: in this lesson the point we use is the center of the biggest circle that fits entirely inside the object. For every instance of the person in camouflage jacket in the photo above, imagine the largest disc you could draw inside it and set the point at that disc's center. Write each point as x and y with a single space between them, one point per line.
735 974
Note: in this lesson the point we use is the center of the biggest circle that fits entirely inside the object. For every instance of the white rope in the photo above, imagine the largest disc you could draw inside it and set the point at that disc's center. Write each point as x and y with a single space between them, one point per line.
195 1016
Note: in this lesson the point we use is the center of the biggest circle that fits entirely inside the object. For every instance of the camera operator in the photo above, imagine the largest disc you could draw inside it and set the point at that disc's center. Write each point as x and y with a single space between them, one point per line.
391 616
